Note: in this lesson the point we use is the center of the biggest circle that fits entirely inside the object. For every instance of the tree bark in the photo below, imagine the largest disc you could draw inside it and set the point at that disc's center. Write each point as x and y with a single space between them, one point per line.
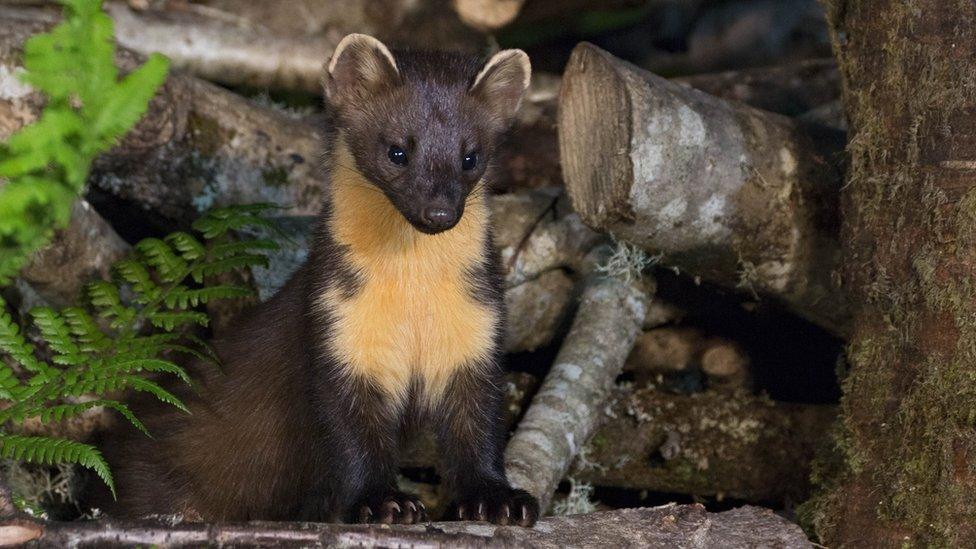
81 252
737 196
905 474
658 527
565 411
225 52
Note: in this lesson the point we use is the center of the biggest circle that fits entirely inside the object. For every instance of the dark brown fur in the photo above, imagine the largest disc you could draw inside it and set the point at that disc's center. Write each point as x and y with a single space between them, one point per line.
285 431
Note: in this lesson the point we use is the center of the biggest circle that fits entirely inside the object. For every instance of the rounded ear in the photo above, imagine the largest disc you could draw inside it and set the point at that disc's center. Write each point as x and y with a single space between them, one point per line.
503 81
360 64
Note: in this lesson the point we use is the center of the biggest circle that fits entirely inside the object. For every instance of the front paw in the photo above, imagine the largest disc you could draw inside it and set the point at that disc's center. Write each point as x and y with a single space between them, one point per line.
392 508
501 505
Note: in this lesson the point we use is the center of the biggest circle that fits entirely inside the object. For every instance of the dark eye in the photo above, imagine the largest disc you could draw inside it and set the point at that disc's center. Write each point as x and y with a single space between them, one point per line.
469 161
397 155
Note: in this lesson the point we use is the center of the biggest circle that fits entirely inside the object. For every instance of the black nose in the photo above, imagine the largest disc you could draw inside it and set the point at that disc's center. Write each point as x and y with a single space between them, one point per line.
439 218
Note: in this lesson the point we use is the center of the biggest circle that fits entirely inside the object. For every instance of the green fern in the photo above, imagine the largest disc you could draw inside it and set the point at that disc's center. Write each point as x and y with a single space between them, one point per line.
113 344
88 108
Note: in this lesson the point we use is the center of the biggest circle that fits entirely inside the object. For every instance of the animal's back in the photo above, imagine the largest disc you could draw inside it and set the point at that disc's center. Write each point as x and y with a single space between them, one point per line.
248 447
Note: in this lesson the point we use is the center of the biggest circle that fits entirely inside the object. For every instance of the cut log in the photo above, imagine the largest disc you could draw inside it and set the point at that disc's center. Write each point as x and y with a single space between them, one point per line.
666 350
225 52
537 310
538 231
81 252
725 364
706 444
487 15
658 527
565 411
731 194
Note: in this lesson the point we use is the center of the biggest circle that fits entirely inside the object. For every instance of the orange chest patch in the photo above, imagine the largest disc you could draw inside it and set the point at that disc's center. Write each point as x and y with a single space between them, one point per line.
413 316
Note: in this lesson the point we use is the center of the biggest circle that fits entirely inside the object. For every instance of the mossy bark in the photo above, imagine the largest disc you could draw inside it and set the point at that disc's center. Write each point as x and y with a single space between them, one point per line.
905 473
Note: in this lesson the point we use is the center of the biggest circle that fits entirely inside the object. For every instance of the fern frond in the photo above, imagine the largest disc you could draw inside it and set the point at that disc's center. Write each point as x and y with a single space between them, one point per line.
62 411
51 451
169 266
220 221
189 247
181 298
170 320
136 275
106 300
89 336
56 332
146 386
228 249
187 350
150 365
8 382
125 104
13 343
220 266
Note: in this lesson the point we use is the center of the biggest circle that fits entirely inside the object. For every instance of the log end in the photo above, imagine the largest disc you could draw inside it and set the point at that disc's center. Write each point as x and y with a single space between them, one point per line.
15 533
487 15
595 137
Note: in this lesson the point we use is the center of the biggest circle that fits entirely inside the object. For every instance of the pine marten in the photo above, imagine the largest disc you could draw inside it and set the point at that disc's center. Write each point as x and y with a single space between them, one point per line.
395 321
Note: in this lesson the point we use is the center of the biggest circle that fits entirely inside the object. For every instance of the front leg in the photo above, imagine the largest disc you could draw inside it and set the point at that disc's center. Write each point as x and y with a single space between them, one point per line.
363 425
470 432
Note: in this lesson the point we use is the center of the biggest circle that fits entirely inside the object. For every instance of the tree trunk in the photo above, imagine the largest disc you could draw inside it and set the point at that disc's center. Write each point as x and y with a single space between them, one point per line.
906 473
734 195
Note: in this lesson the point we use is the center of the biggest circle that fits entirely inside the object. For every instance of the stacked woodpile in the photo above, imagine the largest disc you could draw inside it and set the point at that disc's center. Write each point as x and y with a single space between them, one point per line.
614 179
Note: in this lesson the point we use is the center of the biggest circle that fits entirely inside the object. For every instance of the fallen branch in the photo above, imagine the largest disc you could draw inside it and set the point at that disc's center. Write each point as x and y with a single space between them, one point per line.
658 527
706 444
224 52
665 350
564 412
737 196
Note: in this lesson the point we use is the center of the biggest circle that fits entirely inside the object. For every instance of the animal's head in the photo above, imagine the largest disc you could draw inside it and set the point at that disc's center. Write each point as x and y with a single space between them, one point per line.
423 127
